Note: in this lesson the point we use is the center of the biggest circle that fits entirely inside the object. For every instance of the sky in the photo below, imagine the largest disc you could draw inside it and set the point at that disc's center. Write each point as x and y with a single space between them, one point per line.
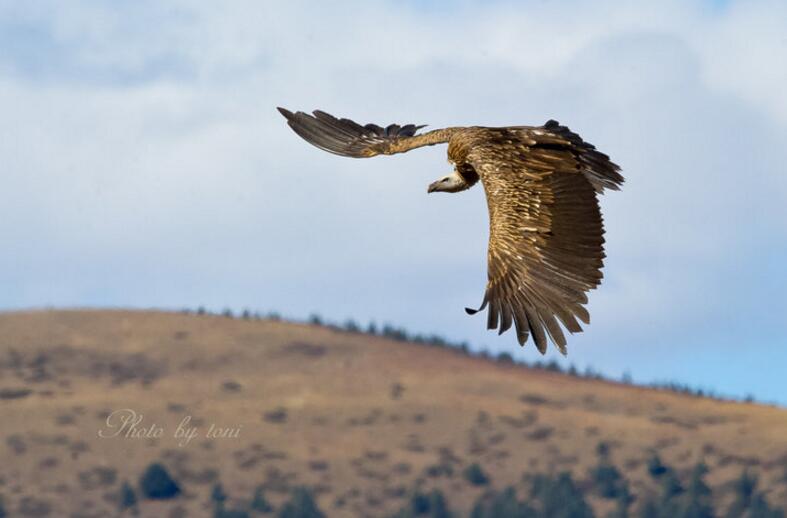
144 165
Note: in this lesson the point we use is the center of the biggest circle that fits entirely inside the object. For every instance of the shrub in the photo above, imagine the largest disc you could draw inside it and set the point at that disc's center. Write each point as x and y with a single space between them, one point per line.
475 475
655 467
156 483
602 449
441 469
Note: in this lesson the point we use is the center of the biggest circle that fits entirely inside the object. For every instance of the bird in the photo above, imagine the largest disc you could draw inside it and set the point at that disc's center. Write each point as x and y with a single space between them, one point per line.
546 232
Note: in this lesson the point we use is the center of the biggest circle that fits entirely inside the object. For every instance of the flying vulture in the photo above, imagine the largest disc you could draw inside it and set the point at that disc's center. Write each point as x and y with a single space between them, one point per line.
545 228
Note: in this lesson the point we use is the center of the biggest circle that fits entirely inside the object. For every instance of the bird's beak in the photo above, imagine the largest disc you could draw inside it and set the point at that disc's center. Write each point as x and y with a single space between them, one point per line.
432 187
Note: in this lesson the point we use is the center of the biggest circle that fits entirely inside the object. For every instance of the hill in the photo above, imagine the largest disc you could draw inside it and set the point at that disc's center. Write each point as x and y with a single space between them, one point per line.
90 399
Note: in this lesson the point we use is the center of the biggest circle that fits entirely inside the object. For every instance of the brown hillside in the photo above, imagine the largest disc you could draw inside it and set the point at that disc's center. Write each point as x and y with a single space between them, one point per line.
361 419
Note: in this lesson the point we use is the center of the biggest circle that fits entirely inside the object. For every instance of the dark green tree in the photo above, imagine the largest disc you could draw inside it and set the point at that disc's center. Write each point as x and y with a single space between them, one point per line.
432 505
670 485
558 497
502 505
649 509
351 327
759 508
259 503
218 497
301 505
608 481
128 499
695 501
505 358
750 503
622 503
669 502
744 491
156 483
230 513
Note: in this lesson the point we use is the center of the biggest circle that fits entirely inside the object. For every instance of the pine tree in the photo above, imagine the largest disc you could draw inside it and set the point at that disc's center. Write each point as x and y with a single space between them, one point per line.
432 505
218 496
697 499
301 505
157 484
259 503
670 485
649 509
502 505
749 502
744 490
559 497
128 499
623 502
607 479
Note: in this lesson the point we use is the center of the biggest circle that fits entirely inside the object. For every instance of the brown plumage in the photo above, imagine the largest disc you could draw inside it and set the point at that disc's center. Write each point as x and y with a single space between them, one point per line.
546 233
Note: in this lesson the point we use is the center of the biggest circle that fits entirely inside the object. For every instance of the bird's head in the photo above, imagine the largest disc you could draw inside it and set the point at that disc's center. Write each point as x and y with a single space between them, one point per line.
451 183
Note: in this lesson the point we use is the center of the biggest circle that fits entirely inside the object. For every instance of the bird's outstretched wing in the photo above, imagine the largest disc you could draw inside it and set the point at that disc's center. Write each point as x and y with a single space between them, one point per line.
348 138
546 232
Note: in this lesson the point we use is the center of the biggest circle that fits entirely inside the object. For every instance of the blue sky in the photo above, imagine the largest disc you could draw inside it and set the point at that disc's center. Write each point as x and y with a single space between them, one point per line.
144 165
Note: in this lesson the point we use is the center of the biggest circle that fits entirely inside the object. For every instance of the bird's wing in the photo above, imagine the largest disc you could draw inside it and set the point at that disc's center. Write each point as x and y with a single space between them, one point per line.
546 232
348 138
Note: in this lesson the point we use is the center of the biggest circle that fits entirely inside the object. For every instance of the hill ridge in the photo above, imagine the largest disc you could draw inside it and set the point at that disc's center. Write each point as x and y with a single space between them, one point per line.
360 418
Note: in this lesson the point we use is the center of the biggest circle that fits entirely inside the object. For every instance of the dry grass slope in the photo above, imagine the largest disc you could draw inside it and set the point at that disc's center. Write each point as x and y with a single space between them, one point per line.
360 419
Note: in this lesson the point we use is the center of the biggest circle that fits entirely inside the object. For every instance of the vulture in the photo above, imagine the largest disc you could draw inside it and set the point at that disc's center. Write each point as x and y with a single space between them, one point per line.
546 235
